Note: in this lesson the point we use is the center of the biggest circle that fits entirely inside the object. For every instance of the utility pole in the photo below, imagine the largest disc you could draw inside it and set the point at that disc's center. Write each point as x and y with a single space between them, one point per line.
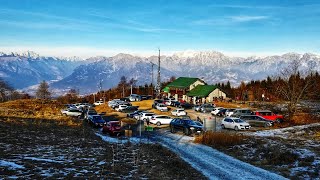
158 79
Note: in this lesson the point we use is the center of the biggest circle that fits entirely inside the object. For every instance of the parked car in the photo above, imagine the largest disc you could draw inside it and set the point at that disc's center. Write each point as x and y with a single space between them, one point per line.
155 102
235 123
145 116
113 128
82 105
160 119
97 103
96 120
222 112
146 97
216 110
178 112
131 115
125 99
119 108
175 103
197 107
241 112
161 107
130 109
115 102
206 108
70 106
185 105
135 97
188 126
89 113
270 115
257 121
229 112
71 112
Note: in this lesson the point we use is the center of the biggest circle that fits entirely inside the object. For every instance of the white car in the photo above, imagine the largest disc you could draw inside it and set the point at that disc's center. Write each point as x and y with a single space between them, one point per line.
121 108
160 119
178 112
161 107
216 110
144 116
235 123
114 103
71 112
97 103
229 112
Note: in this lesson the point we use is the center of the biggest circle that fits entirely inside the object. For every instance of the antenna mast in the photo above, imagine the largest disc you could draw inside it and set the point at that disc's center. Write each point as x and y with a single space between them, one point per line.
152 85
158 79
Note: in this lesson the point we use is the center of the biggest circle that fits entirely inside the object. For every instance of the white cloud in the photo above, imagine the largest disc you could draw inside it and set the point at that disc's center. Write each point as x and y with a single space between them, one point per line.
247 18
229 20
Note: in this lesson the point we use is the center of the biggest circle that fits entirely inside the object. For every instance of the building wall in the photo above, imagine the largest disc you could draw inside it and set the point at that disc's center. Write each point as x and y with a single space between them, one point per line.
198 82
217 93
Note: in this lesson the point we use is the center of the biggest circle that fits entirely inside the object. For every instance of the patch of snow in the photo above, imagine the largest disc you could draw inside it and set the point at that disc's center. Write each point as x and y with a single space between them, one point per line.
135 140
304 153
10 165
283 132
44 160
101 163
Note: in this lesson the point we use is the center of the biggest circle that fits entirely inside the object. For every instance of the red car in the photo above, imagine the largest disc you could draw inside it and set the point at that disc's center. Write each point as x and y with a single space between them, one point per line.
269 115
113 128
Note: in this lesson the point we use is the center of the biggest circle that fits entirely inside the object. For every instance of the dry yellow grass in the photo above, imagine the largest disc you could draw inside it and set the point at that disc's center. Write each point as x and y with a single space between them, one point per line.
32 108
231 105
219 139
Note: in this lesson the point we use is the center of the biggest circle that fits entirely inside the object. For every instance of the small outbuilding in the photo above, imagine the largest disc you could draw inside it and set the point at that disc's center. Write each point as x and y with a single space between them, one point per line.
205 94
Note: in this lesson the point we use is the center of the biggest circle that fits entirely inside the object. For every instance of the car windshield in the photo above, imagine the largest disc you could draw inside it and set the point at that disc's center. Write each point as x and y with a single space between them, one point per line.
238 120
92 113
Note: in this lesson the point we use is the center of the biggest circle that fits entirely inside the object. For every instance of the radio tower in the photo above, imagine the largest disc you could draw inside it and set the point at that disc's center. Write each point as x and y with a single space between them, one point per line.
158 89
152 85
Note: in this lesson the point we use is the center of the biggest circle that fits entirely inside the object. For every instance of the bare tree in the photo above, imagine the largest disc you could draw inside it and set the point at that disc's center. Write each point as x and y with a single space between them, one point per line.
293 85
5 90
43 91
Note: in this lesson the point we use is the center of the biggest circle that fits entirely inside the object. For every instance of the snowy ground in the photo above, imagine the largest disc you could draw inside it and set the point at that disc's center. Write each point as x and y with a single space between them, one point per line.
212 163
289 152
292 151
30 149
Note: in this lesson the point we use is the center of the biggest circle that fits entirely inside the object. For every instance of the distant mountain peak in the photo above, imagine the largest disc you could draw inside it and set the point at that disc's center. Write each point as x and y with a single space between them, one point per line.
193 54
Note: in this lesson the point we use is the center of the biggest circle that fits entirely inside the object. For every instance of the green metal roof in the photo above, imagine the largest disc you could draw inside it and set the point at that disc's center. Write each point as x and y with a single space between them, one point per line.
166 89
201 90
182 82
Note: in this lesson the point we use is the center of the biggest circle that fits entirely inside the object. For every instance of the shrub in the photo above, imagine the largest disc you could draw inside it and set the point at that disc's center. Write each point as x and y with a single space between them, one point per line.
220 139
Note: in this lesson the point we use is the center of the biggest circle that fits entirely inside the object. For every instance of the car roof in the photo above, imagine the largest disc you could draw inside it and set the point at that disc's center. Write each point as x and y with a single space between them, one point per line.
231 118
147 113
160 115
263 111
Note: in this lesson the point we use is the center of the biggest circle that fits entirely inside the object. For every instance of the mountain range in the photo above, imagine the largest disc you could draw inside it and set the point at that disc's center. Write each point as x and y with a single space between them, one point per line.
26 70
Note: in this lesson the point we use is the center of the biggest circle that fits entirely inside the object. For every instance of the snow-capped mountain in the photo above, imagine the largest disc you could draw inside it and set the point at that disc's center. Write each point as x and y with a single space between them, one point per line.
22 71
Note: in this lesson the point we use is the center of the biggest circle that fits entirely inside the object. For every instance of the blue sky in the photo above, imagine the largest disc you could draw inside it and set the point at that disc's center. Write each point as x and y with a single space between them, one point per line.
108 27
